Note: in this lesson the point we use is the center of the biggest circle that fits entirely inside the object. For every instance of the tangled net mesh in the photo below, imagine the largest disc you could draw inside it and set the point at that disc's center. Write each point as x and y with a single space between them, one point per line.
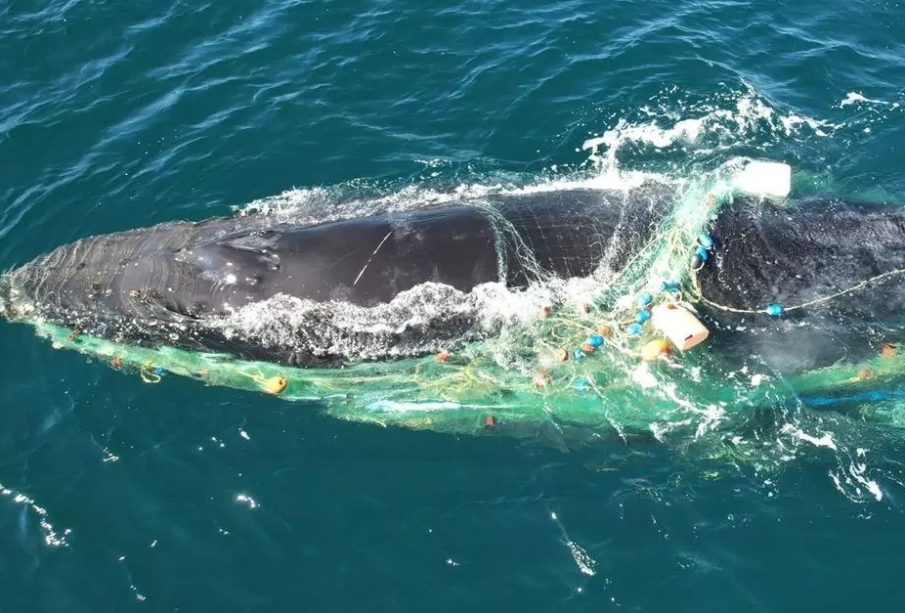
518 376
578 363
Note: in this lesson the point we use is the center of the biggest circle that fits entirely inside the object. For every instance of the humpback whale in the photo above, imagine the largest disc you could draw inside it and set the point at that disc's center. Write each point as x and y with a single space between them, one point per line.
168 283
175 283
286 296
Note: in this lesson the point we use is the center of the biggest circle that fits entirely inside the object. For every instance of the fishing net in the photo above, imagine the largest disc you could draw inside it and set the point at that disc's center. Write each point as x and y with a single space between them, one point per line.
572 359
576 364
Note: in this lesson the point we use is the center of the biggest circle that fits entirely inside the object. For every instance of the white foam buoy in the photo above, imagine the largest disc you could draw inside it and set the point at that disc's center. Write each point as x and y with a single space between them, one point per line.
679 325
765 179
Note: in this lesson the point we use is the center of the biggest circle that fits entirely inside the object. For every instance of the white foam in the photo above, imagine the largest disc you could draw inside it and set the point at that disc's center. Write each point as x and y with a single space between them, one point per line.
765 178
826 440
723 127
858 469
857 472
852 98
398 406
649 133
851 480
858 98
644 377
320 205
712 416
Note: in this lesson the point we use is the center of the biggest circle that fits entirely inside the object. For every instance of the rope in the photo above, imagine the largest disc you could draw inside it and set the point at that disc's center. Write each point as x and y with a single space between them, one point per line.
855 288
148 374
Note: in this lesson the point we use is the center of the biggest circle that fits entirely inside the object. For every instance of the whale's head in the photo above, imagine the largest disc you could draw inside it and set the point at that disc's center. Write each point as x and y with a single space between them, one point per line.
99 284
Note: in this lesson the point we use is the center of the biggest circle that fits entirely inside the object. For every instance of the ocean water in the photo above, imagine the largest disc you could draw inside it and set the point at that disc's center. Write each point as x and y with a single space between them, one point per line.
116 495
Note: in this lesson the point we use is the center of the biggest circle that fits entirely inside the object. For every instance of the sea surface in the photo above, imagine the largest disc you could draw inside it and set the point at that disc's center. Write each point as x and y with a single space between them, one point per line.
116 495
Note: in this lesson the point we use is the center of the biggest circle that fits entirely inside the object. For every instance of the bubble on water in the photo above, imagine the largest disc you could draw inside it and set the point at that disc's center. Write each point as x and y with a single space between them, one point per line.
51 537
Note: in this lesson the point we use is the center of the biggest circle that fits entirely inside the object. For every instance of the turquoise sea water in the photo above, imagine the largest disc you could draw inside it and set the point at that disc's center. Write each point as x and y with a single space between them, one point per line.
120 496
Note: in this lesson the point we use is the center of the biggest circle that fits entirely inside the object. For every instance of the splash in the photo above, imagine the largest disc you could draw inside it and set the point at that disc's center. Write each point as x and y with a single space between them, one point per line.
716 128
857 98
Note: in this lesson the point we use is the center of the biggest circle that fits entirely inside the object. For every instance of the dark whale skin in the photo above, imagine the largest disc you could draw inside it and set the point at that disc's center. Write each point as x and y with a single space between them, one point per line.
157 286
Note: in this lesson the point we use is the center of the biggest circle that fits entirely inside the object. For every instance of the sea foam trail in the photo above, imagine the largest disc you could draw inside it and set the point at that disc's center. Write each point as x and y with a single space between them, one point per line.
711 129
733 121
